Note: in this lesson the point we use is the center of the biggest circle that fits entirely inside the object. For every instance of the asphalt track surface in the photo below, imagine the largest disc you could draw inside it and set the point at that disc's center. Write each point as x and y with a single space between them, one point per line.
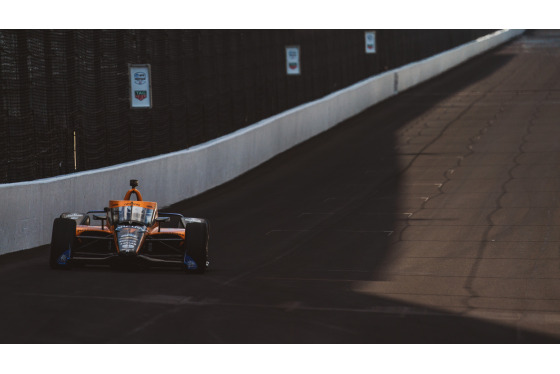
432 217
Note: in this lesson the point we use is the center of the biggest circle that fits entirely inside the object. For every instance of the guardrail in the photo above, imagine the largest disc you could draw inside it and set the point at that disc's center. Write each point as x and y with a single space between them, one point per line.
29 208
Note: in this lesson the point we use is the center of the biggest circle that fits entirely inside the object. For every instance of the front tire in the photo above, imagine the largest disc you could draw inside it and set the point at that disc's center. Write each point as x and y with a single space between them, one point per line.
62 241
196 242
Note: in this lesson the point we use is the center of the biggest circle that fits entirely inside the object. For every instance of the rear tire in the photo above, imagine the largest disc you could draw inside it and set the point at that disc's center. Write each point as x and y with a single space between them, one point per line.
196 242
62 240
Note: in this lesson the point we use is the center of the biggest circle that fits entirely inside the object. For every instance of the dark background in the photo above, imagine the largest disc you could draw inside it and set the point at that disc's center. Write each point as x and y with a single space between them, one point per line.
205 83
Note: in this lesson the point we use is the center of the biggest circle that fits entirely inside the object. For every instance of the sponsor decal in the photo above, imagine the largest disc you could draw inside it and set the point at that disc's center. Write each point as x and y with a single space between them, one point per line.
63 259
73 215
370 42
140 78
190 219
140 90
191 264
293 60
140 94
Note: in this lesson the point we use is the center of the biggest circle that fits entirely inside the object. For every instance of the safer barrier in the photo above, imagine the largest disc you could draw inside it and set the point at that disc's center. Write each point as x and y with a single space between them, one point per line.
28 208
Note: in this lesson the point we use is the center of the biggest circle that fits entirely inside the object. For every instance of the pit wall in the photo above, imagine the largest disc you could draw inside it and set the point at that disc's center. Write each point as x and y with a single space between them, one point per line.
27 209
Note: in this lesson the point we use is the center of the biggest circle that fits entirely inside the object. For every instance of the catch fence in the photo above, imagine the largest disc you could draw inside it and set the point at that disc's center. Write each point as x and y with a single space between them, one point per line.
65 95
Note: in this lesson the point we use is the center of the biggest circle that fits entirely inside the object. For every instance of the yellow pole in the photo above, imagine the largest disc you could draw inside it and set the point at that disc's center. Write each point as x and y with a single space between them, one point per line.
75 158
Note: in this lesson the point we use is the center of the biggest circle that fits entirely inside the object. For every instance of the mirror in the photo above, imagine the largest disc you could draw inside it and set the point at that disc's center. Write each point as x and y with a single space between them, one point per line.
100 218
161 220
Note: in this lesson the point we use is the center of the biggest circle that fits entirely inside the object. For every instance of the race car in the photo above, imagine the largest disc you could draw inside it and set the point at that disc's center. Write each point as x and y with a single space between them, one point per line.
130 232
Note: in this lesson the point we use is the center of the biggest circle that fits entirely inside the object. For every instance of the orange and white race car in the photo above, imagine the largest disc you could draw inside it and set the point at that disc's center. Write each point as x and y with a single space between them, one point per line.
130 232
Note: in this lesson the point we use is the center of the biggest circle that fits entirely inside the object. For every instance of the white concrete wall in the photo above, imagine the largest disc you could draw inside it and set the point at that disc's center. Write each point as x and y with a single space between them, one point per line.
418 72
28 209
